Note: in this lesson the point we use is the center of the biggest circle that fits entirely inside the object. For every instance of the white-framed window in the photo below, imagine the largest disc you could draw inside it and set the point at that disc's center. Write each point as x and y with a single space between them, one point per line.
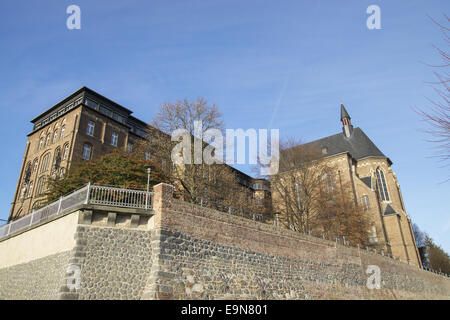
66 151
87 149
55 136
41 141
114 138
63 128
90 128
365 202
382 185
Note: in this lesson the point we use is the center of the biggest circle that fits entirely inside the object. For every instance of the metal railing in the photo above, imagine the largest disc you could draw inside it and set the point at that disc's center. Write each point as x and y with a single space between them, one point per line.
203 202
117 197
89 194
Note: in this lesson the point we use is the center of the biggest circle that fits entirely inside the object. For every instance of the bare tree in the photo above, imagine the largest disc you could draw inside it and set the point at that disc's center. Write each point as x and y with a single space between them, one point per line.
438 114
308 196
213 183
294 188
341 217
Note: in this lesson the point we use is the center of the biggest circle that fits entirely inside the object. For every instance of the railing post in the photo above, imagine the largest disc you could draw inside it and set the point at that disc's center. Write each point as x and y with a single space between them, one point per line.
87 195
9 228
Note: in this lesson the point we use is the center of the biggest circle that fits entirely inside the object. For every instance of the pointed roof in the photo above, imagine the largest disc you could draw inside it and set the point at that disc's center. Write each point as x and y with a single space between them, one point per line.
389 210
359 145
367 181
344 113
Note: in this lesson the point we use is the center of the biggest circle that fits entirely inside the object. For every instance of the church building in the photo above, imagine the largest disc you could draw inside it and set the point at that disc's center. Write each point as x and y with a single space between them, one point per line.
375 188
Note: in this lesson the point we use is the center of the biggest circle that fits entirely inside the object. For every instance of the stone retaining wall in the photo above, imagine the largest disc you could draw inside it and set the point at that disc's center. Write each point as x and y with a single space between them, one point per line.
185 251
38 279
206 254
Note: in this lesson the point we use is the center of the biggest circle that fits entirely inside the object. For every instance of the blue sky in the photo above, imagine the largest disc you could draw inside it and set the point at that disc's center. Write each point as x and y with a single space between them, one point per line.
284 64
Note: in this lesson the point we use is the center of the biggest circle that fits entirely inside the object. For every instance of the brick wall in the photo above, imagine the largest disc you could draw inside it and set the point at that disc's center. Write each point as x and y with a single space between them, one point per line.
206 254
185 251
114 262
38 279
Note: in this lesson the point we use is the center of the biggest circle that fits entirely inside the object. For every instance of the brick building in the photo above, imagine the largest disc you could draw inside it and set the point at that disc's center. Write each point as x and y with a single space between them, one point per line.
83 126
87 125
357 161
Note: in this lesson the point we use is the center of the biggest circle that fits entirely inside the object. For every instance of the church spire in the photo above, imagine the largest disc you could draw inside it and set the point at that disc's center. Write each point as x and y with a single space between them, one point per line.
347 127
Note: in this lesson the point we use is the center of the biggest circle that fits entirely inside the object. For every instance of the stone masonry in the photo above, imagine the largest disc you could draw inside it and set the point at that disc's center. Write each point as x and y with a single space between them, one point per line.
185 251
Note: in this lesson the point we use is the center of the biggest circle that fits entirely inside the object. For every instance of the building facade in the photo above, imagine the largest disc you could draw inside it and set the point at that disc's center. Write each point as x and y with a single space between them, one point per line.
87 125
83 126
358 162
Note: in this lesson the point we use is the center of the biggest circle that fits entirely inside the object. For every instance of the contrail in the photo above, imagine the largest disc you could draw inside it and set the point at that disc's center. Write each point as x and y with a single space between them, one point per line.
277 105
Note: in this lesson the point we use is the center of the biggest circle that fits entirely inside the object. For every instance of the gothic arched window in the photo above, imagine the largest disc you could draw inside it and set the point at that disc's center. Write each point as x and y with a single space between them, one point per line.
41 141
382 186
63 128
45 163
55 136
57 159
47 140
30 189
35 165
40 188
66 151
27 176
